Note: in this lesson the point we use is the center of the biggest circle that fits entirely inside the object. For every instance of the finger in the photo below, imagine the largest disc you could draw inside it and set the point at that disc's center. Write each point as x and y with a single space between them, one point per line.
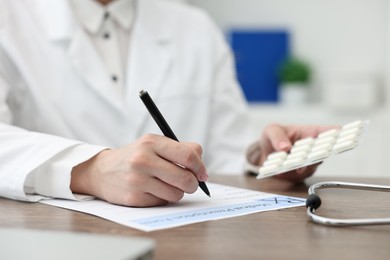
184 155
131 192
164 191
301 170
298 175
291 176
166 171
145 200
311 169
150 200
175 176
142 188
196 147
278 137
131 198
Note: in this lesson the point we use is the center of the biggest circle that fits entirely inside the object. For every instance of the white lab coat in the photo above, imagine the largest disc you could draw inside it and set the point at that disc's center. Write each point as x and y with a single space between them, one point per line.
55 93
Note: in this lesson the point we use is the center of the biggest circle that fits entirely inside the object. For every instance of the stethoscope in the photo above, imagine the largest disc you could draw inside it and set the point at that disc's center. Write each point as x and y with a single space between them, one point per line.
313 202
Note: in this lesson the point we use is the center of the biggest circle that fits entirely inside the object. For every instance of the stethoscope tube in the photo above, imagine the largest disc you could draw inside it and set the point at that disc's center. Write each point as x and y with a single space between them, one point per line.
313 202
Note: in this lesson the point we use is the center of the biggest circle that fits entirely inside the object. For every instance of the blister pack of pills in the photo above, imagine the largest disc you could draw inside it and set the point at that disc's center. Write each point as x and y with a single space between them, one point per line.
310 151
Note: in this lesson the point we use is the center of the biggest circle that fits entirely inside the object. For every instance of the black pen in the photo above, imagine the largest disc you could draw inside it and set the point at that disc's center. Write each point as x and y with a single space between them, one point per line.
167 131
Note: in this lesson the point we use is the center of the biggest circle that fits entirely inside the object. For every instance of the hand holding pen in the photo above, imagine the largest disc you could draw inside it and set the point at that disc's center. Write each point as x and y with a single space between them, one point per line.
151 171
163 125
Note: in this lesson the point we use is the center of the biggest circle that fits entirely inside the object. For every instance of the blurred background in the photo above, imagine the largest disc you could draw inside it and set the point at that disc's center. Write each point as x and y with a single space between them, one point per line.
315 62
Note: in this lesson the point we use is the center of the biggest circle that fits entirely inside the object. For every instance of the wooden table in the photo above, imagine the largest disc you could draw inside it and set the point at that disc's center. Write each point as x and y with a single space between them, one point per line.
283 234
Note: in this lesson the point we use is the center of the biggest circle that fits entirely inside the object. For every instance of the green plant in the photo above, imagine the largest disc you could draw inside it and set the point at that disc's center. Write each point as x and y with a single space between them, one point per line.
294 70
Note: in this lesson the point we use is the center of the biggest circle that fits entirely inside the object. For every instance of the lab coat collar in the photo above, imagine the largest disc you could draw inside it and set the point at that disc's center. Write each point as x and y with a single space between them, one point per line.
123 11
92 14
59 22
155 21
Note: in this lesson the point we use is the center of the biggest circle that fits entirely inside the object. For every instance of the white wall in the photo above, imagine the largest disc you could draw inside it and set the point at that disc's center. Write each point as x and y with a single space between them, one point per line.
335 36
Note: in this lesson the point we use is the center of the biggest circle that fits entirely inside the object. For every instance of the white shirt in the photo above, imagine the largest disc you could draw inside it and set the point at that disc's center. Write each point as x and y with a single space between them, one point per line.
109 28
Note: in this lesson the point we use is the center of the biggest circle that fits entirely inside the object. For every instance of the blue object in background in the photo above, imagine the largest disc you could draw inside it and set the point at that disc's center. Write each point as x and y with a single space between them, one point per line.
259 55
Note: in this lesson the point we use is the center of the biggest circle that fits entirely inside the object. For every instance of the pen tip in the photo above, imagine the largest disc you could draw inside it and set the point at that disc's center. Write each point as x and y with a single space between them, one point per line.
203 186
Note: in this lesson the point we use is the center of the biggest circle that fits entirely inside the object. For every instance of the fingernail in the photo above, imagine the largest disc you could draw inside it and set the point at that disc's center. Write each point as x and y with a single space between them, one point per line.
204 177
284 145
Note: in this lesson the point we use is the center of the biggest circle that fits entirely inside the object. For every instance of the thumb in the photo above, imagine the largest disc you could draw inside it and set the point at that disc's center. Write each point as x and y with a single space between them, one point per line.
278 138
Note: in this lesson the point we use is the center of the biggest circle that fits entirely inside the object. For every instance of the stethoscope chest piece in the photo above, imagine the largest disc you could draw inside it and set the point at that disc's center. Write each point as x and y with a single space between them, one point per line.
313 201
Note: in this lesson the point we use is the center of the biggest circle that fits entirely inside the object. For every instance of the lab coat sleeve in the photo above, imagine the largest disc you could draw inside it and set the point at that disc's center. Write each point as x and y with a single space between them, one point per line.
23 152
52 178
231 129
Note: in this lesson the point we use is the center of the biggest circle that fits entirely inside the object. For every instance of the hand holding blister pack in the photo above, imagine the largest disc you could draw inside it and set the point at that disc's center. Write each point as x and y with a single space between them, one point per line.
310 150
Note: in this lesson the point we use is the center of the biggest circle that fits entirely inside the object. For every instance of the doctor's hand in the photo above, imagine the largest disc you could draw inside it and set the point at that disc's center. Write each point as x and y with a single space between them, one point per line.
276 138
152 171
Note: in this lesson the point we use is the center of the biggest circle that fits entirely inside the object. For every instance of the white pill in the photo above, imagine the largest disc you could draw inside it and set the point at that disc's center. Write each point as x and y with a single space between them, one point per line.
355 124
318 155
352 131
292 162
270 169
274 155
301 148
305 141
319 147
351 137
325 140
332 132
301 155
344 146
276 161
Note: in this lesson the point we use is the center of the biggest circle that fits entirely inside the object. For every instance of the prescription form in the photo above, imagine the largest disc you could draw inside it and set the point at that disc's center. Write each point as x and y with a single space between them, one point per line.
225 202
